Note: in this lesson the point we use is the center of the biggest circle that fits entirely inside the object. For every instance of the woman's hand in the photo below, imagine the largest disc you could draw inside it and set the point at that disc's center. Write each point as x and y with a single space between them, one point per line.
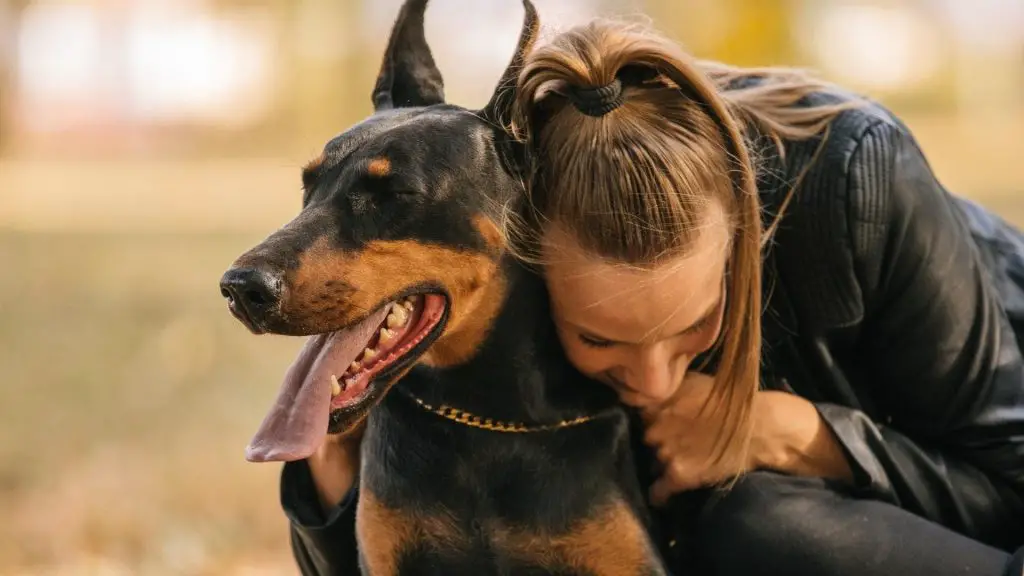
334 467
683 439
788 436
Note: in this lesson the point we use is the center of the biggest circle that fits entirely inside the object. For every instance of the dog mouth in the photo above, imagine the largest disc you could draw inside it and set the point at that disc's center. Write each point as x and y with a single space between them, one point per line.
338 376
409 323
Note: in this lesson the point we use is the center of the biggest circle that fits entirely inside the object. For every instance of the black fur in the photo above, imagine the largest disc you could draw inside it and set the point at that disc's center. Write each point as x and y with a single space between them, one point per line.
449 166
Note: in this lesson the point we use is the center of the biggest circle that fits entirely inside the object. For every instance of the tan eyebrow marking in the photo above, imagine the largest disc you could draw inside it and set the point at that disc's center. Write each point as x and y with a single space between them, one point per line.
379 167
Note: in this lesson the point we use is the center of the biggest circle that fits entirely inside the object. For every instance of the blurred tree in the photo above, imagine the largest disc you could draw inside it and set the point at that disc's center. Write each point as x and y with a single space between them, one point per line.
331 72
740 32
323 72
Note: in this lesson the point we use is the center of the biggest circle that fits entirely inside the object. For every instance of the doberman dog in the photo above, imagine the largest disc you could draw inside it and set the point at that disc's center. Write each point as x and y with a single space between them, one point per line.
484 451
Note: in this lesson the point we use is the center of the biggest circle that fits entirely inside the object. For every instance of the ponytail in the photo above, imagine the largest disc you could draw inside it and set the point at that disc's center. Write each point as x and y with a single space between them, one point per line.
629 139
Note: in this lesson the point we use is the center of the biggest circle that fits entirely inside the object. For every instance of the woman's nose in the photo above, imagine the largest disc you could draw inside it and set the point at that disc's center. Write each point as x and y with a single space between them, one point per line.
655 375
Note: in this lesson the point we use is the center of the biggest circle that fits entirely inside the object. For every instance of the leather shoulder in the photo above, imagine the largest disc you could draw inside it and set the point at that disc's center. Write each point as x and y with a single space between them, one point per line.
840 184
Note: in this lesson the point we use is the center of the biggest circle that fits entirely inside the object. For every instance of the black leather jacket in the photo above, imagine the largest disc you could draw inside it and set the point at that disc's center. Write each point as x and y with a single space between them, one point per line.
897 308
893 306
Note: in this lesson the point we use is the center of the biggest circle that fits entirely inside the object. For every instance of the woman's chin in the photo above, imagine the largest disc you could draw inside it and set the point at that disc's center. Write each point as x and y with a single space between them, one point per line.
643 401
634 400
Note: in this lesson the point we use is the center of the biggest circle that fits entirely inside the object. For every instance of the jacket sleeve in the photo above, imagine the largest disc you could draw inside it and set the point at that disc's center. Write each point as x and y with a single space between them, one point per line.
937 349
322 543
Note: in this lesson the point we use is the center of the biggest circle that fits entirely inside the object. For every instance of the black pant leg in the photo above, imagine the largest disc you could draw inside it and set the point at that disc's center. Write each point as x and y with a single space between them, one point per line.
774 524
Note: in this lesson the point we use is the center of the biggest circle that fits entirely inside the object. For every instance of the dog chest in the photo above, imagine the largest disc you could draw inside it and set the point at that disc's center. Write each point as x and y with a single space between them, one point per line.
438 498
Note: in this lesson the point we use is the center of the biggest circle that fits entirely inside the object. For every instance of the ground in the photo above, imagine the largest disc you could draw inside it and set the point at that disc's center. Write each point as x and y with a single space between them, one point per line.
128 393
128 396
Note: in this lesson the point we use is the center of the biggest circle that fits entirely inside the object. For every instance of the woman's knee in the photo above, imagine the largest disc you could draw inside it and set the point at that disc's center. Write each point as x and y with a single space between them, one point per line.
775 524
764 518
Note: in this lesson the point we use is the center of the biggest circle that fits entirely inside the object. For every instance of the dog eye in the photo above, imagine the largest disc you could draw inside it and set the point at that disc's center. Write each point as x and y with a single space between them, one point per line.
392 187
385 187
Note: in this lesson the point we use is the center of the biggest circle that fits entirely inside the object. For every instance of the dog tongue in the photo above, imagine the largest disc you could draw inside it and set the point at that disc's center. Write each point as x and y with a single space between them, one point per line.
297 422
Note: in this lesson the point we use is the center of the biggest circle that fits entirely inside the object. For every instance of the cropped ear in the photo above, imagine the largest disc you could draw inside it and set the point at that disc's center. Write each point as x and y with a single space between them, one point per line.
408 75
499 109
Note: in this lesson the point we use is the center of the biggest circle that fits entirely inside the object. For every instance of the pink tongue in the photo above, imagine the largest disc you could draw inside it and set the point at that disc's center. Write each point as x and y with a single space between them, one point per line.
297 423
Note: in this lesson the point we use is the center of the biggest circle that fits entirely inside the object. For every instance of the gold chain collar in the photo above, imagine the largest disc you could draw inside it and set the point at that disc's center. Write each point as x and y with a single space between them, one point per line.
474 421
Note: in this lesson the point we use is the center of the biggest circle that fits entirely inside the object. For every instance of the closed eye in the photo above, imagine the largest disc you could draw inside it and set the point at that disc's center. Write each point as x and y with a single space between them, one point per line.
596 342
390 185
700 326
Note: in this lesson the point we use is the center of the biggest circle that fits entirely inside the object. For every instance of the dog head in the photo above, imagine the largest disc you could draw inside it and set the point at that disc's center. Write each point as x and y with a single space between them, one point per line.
395 256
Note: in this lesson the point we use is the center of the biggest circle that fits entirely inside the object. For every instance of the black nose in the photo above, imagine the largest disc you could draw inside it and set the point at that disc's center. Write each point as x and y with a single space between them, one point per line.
251 293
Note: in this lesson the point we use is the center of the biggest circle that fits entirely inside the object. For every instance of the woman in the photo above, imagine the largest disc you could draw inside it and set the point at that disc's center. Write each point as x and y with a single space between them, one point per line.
869 421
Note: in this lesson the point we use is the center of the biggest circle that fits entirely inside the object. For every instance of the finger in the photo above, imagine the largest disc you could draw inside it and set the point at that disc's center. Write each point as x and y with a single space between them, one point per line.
650 414
658 428
669 428
657 493
672 480
656 436
664 453
653 436
662 490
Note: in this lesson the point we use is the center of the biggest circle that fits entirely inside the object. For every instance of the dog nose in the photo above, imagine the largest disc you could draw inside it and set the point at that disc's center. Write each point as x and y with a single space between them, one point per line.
251 292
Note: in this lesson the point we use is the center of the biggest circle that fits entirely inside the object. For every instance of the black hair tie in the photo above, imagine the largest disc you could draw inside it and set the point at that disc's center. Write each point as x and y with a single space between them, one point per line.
596 101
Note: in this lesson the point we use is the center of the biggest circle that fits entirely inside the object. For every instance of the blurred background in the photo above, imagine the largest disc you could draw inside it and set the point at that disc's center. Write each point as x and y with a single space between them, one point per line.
146 143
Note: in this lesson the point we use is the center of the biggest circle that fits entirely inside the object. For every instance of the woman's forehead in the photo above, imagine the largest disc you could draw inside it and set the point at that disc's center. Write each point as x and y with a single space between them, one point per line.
629 302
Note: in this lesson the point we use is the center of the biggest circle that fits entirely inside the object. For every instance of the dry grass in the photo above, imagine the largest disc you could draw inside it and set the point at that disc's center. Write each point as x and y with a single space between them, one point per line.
128 396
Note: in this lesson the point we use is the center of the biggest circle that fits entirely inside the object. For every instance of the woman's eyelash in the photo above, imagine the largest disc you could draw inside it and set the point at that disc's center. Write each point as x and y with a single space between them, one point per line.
700 325
594 342
599 343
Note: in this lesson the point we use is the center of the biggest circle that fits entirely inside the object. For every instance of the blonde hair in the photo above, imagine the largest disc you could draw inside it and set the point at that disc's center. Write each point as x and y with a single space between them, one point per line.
633 185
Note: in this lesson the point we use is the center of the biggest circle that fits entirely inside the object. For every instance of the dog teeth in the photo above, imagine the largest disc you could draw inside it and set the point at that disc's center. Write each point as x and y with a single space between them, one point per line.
386 336
408 305
335 386
369 354
355 367
398 317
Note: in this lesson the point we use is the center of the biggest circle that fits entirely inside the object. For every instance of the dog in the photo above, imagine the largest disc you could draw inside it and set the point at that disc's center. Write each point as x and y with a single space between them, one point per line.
483 451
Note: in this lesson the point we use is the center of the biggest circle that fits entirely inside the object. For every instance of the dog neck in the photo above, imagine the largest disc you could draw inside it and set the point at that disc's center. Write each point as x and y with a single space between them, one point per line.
519 372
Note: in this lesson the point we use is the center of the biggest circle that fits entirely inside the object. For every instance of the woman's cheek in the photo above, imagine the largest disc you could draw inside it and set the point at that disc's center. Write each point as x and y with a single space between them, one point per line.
588 361
578 354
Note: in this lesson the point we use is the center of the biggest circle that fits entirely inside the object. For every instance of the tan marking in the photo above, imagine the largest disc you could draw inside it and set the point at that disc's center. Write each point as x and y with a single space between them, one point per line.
379 167
609 543
612 542
468 327
331 289
384 534
490 232
461 341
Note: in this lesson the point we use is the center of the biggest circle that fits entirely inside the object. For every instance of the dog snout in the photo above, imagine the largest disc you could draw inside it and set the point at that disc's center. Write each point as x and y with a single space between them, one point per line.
252 293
